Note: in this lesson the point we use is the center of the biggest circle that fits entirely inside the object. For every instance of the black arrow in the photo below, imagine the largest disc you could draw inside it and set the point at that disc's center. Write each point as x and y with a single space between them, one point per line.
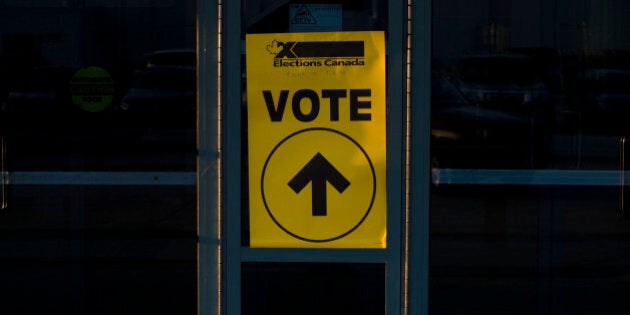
319 171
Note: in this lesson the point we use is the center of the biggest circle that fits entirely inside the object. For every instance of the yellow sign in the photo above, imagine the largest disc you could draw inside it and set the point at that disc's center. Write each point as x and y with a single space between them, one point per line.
317 139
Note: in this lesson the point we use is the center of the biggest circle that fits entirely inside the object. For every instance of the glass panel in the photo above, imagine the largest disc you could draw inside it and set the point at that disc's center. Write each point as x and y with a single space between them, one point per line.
528 147
98 113
309 288
306 288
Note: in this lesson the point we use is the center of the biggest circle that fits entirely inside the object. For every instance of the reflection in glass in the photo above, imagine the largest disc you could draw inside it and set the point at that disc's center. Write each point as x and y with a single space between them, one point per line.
84 231
529 104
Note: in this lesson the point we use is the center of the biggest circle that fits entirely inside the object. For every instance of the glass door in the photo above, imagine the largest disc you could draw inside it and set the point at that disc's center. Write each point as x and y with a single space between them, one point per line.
98 118
529 214
309 276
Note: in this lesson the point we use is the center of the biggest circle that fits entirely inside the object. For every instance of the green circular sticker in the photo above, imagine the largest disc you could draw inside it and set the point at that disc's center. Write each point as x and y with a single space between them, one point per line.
92 89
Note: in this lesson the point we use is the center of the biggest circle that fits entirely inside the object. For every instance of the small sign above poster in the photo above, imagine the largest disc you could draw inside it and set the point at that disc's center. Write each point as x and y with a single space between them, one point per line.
315 17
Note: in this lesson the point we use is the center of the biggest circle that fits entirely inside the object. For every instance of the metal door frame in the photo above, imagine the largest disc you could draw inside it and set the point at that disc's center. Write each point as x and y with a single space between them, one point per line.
219 169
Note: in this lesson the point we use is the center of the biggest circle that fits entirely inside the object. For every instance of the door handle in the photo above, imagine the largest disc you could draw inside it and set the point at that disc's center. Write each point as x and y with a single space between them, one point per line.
623 211
5 175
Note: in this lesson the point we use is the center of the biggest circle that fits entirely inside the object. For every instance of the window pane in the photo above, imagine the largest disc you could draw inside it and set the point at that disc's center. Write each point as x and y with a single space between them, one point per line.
310 288
528 147
97 119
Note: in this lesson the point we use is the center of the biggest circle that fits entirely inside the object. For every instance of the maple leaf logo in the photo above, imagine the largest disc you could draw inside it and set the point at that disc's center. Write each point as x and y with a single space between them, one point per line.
275 47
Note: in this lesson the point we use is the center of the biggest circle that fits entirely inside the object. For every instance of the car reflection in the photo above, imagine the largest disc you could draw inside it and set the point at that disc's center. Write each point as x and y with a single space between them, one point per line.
605 99
161 96
172 57
506 82
467 135
601 92
607 89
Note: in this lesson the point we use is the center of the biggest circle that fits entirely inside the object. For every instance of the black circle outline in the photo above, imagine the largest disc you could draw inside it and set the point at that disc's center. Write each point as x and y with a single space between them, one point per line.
262 185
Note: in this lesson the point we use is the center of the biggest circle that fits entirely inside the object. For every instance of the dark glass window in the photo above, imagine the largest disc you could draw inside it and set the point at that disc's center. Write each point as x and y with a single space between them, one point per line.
313 288
528 142
98 125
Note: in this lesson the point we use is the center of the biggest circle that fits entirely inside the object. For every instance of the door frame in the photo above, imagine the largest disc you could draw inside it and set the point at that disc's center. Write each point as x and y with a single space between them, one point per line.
219 172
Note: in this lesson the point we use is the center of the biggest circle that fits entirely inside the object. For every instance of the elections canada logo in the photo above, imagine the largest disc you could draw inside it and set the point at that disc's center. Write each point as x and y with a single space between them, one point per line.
317 54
